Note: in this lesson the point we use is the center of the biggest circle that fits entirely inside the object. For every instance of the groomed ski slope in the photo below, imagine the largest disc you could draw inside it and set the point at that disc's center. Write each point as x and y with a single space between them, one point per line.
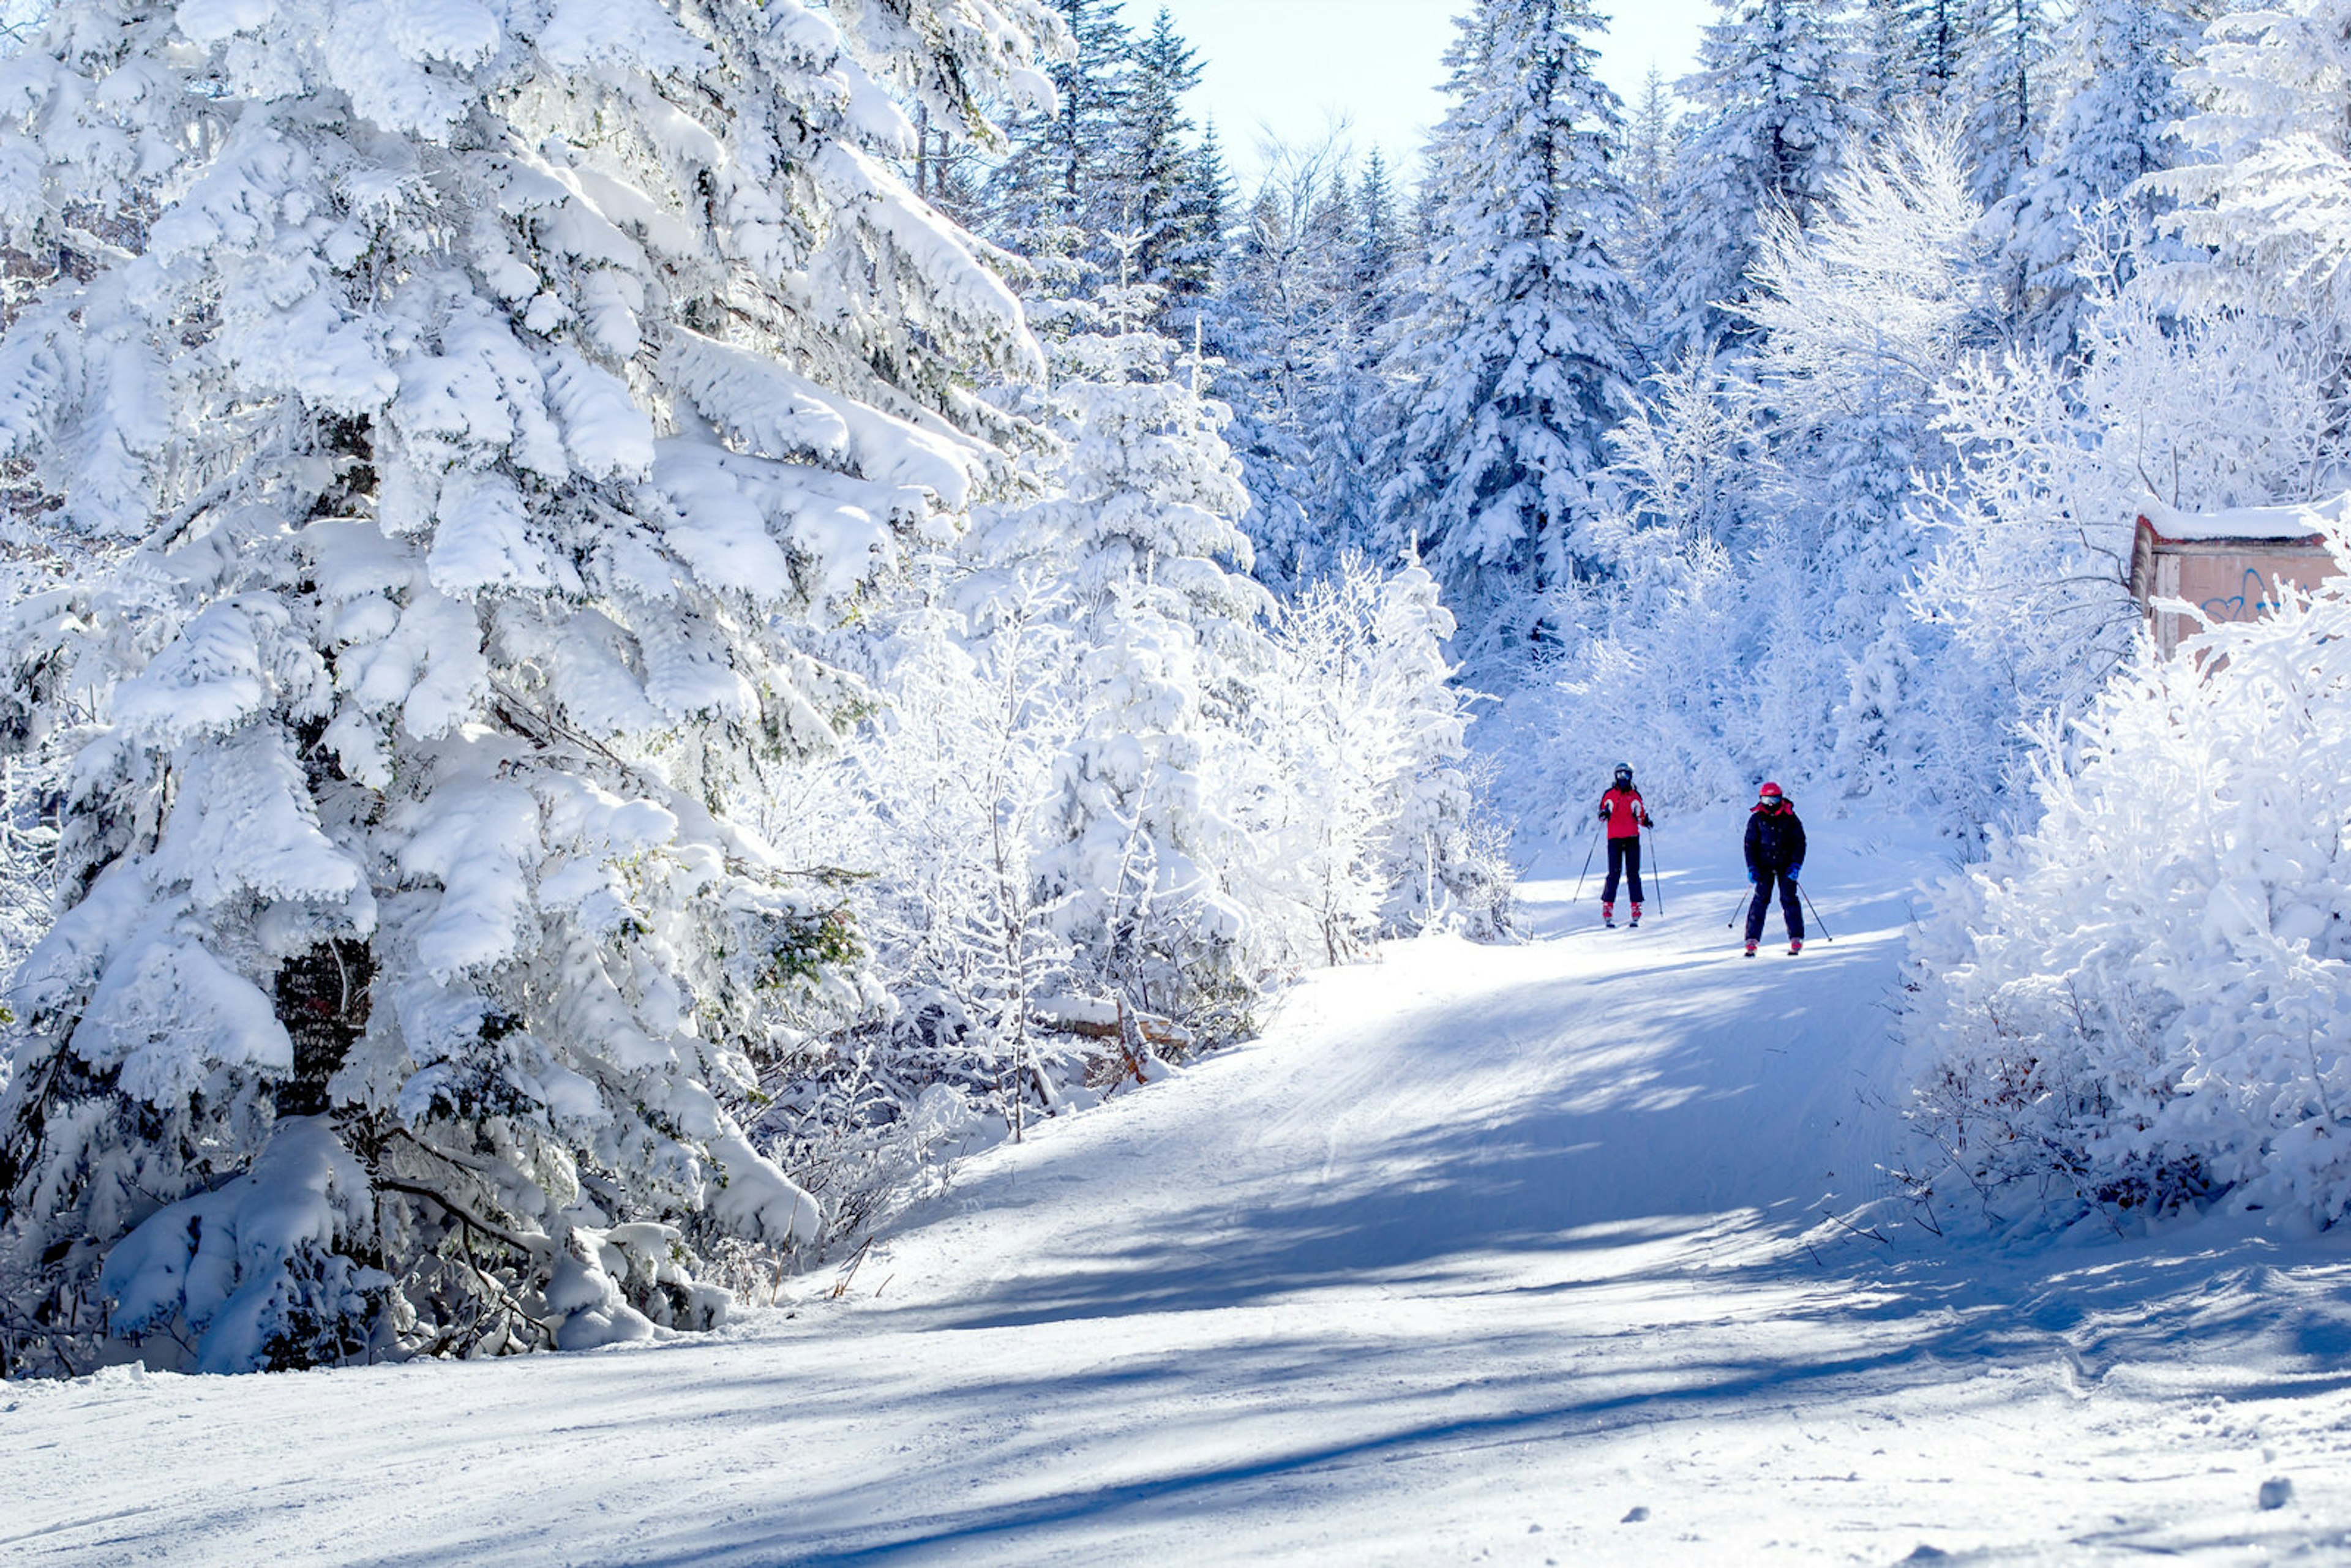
1544 1253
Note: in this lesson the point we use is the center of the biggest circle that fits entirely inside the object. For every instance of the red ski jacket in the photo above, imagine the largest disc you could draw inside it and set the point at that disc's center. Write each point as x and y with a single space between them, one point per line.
1626 813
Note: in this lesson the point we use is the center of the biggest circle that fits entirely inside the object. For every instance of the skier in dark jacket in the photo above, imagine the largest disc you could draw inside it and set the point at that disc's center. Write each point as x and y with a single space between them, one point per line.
1623 810
1776 852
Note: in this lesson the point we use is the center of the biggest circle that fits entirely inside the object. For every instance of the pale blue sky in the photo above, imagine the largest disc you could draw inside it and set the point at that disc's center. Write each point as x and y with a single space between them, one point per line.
1294 65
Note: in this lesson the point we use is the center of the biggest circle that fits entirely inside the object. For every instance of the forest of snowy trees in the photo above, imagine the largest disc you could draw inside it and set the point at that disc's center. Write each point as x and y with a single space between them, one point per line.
630 618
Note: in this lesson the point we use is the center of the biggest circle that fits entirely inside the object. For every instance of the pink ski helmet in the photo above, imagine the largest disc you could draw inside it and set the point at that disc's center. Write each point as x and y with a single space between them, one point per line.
1769 792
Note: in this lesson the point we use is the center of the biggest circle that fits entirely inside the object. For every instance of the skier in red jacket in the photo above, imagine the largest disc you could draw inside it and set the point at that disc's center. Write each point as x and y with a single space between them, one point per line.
1621 809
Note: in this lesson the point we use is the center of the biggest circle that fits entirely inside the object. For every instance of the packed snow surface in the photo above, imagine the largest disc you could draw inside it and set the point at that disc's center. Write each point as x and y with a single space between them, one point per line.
1577 1250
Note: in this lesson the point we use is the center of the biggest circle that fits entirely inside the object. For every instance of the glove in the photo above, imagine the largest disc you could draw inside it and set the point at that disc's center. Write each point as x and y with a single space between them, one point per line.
1750 876
1795 873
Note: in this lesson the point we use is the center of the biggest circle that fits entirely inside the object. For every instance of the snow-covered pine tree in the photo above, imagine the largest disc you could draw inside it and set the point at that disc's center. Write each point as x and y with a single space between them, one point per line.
1775 102
1914 52
1206 212
1265 328
2270 149
1053 194
1140 519
1516 360
1178 225
1343 431
2006 97
1652 137
1379 241
495 389
2114 78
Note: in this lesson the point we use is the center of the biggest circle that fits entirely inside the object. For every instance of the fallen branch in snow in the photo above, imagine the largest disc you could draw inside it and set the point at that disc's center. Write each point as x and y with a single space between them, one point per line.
1873 1233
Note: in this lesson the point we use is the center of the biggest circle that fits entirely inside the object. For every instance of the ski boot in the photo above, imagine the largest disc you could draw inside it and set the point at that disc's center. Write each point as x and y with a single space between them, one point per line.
1608 915
1795 946
1636 917
1750 949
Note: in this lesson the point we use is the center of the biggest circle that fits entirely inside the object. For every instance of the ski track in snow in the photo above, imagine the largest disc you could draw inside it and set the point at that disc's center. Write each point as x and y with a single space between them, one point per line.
1480 1251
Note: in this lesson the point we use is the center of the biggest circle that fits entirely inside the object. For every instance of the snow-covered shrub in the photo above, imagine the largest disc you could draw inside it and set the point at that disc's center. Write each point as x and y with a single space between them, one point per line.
1368 824
496 394
2139 1003
2202 402
1331 743
931 825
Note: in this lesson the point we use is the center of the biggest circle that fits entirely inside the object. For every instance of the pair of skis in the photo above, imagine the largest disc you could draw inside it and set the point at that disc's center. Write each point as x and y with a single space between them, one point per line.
1795 944
1656 870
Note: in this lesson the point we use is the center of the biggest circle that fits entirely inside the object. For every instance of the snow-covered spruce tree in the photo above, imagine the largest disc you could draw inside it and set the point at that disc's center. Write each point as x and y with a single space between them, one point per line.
2118 102
1774 106
1919 50
2137 1005
1291 326
1140 520
2271 149
2005 93
499 386
1517 360
1653 149
1179 226
1054 193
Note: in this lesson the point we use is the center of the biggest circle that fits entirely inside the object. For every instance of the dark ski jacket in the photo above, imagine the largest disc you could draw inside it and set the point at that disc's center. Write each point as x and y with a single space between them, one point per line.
1626 812
1775 839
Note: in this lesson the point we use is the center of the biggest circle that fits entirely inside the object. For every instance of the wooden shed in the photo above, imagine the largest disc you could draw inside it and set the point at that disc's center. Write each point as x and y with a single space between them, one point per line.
2228 564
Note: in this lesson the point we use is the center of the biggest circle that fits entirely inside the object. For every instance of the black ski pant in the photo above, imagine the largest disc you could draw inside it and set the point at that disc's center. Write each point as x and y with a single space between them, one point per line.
1790 906
1624 860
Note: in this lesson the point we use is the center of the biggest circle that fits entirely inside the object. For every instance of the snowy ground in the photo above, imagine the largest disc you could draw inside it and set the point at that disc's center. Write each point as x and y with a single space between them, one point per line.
1516 1254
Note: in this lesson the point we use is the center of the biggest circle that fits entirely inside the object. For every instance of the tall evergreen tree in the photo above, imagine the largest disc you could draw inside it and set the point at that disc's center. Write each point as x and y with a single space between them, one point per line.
2271 145
1380 240
1058 190
2005 94
1516 360
1777 101
535 378
1178 223
1265 328
1143 523
1931 36
1651 161
2116 67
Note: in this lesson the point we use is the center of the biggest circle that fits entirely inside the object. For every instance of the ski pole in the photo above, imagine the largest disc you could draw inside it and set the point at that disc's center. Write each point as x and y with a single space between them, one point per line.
1656 869
1740 907
1817 913
1587 862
